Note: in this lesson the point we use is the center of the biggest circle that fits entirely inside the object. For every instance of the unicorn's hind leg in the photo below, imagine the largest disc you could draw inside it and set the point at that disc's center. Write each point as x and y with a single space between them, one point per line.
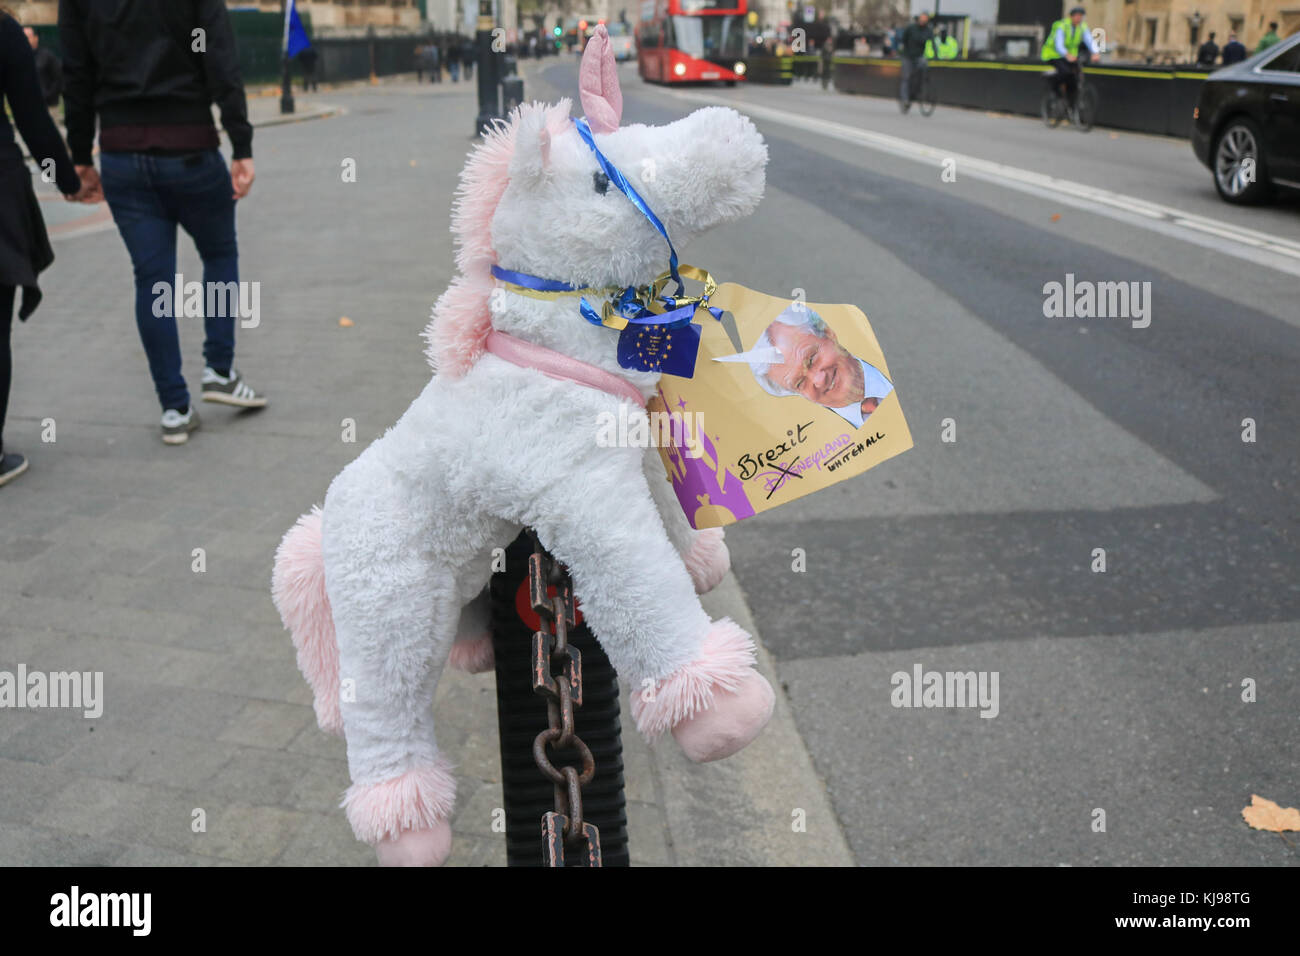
395 613
703 552
472 651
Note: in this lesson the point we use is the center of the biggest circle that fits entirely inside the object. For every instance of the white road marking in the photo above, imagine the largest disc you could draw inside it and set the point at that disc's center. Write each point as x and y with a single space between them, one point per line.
1274 252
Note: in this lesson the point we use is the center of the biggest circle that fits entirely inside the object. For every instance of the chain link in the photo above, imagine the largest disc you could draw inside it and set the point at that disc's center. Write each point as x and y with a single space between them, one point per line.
557 676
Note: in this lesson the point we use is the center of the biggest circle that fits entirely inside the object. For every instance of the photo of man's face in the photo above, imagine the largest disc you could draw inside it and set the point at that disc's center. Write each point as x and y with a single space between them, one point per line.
817 367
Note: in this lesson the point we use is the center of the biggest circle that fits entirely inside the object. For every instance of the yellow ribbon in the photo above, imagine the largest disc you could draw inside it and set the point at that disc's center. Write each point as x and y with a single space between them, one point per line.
650 296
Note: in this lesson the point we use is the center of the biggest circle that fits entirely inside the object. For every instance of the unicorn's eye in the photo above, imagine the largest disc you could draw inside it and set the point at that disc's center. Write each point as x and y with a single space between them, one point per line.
600 182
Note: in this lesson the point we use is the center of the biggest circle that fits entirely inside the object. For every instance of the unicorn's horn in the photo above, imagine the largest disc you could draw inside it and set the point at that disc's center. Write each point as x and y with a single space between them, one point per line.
602 100
760 355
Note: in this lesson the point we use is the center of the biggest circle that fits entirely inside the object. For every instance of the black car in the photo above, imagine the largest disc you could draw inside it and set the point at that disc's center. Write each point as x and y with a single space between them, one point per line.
1248 118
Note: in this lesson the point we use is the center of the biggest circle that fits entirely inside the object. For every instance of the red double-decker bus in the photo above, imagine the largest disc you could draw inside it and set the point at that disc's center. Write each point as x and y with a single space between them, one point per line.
691 41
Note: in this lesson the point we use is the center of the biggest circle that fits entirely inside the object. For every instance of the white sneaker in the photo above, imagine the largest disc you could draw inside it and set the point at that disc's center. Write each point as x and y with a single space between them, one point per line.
176 427
230 390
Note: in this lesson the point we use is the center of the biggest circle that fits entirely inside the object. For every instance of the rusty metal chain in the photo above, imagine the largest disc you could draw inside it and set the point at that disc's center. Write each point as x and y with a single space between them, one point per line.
562 828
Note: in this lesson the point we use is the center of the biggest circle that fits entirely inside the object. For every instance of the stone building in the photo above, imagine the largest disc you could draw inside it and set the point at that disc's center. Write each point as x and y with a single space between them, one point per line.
1169 31
325 14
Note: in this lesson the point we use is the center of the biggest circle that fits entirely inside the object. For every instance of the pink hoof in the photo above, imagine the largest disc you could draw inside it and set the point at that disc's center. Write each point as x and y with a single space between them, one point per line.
417 847
713 705
405 817
733 720
707 559
473 655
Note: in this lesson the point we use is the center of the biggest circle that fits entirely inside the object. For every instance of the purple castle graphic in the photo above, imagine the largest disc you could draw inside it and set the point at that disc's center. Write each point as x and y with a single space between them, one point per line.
702 482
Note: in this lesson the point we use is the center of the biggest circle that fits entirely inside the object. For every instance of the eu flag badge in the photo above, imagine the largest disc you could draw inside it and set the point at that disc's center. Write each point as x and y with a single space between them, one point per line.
658 348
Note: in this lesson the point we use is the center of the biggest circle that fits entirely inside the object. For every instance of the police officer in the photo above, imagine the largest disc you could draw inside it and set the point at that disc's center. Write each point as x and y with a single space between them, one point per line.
947 48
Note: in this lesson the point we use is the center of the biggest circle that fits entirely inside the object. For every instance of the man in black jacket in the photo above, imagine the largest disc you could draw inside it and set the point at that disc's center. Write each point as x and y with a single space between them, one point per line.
1208 53
150 70
912 50
1233 51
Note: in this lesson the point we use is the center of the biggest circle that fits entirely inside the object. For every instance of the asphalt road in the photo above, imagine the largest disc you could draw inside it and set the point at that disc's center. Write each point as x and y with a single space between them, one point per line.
1120 691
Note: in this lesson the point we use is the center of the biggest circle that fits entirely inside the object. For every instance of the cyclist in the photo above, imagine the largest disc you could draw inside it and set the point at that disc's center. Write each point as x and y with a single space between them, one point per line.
911 48
1061 49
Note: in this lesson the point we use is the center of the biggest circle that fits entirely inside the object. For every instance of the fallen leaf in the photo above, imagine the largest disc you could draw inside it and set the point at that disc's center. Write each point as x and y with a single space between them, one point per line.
1056 217
1266 815
412 162
346 322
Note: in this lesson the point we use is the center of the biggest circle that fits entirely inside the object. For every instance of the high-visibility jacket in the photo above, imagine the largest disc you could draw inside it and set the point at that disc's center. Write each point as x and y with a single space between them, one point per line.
948 49
1073 38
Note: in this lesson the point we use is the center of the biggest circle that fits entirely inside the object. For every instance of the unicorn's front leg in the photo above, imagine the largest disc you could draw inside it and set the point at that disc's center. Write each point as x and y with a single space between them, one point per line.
689 675
395 612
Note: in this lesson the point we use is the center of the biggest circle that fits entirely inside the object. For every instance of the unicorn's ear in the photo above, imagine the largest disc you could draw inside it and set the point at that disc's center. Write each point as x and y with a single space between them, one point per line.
602 100
532 156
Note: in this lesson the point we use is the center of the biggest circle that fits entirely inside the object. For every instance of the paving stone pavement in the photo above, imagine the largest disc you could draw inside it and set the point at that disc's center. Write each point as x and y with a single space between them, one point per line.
204 709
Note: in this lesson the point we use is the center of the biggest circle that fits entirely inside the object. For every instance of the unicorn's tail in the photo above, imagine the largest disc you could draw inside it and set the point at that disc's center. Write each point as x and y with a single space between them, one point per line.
298 589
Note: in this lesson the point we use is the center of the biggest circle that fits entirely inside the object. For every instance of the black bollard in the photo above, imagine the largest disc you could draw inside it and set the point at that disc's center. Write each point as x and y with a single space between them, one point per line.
521 716
489 108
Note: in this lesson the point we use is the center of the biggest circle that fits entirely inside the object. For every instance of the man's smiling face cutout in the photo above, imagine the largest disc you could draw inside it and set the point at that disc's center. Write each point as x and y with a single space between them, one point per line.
817 367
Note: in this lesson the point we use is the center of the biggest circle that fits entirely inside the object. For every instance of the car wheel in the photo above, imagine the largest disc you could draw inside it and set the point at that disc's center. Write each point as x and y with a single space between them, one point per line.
1239 173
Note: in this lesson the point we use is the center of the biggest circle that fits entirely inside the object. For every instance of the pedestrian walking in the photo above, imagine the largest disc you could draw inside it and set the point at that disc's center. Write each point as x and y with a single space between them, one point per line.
467 57
453 59
48 68
307 59
1234 51
127 63
1208 53
1268 39
25 249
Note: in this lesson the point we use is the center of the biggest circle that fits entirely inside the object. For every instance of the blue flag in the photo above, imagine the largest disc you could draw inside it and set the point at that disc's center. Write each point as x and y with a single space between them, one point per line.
295 35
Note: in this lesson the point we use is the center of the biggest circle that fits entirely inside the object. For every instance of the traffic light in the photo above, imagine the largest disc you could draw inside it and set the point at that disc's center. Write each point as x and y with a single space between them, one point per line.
558 31
582 25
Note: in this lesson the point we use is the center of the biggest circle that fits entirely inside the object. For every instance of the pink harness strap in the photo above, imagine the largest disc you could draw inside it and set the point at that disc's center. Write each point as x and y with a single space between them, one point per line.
551 363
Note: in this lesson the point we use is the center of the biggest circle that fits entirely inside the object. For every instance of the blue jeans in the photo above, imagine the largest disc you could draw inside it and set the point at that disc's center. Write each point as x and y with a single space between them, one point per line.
149 197
910 85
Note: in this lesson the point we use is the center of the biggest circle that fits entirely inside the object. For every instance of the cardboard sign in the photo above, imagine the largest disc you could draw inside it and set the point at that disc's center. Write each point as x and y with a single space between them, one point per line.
788 398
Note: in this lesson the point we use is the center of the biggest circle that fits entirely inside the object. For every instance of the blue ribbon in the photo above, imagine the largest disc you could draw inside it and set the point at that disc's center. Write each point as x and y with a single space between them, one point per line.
532 282
619 180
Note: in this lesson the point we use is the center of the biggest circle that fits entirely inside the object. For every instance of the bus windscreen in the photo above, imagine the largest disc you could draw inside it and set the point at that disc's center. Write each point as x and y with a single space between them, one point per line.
707 37
695 6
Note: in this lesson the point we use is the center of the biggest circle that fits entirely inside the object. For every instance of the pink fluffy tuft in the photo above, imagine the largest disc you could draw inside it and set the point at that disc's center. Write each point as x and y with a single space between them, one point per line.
461 320
416 800
298 590
707 559
473 655
726 656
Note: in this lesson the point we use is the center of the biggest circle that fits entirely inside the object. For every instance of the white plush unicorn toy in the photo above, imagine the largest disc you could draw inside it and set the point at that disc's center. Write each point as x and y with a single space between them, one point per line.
386 584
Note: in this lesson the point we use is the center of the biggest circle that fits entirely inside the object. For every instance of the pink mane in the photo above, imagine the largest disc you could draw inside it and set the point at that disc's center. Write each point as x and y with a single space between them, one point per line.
461 321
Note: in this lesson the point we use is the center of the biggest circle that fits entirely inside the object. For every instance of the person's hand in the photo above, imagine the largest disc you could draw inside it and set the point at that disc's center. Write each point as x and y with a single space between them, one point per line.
241 176
92 190
1072 57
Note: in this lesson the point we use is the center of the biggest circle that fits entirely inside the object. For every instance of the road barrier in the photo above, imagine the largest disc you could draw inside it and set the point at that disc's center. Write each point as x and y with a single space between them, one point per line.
1149 99
782 70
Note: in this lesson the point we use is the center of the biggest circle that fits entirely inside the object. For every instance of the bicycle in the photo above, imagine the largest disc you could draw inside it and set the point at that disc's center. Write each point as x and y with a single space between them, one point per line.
1080 114
926 98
